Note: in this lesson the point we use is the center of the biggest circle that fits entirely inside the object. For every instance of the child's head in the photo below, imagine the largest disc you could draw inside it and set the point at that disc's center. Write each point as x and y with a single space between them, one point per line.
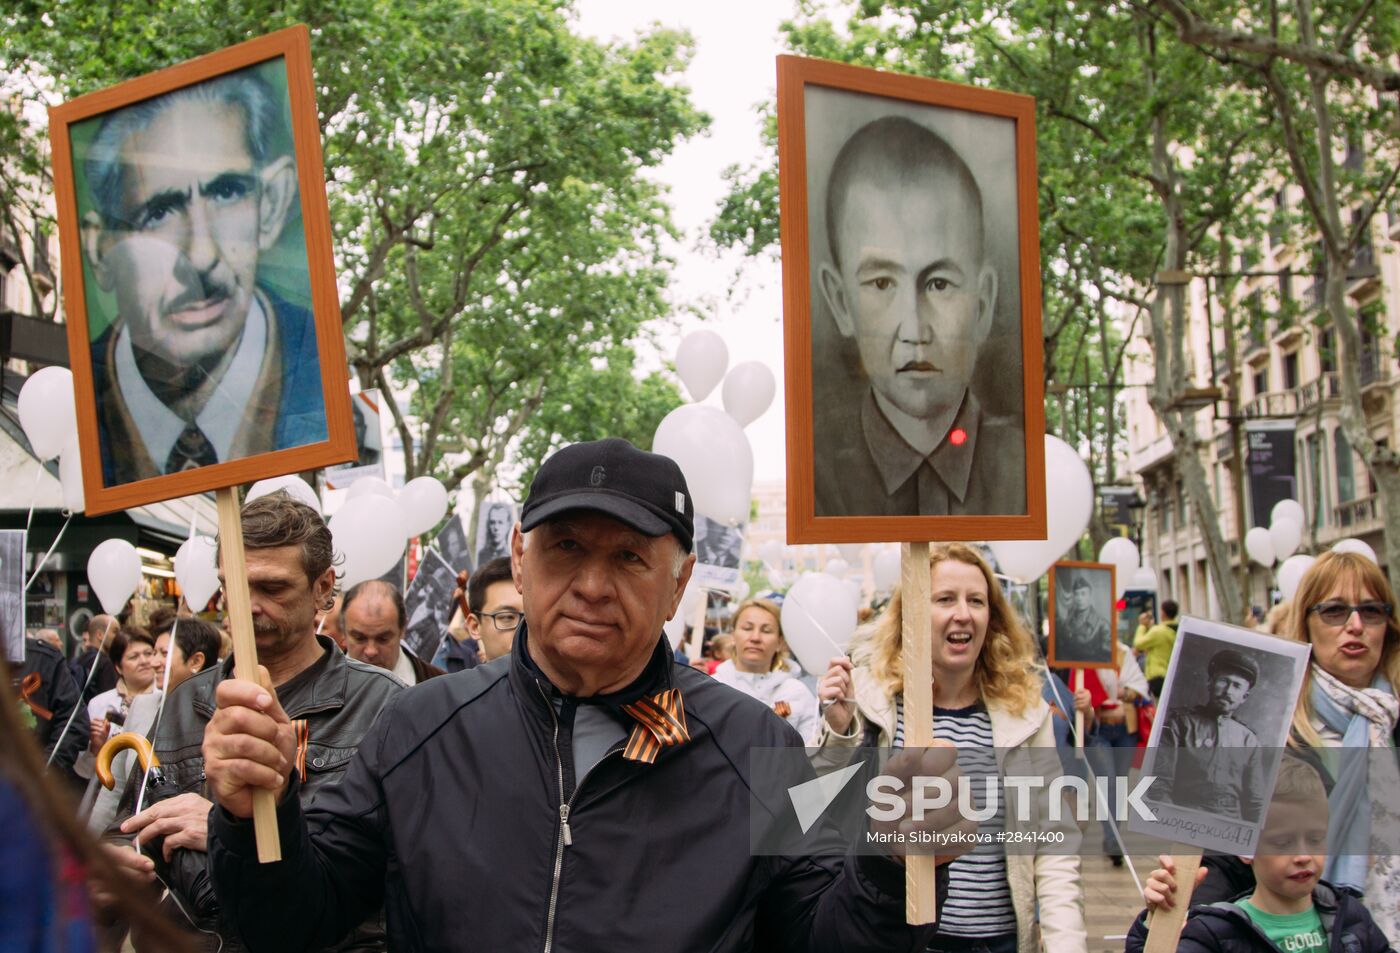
1293 844
908 278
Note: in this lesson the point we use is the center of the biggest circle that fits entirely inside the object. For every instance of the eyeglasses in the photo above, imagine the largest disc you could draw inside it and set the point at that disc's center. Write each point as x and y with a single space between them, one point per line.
505 620
1337 613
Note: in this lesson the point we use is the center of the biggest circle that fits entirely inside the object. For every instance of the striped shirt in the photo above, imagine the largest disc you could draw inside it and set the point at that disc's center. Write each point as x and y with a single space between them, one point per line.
979 897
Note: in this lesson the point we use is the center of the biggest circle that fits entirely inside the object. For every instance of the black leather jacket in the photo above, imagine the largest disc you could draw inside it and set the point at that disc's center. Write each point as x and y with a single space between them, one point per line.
339 698
462 813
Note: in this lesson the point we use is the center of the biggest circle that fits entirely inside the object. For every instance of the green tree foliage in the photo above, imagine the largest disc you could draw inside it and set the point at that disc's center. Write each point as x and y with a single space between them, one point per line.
1322 72
495 229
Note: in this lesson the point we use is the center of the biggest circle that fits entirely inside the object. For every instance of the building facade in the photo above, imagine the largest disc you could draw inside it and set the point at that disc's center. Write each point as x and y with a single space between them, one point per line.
1285 372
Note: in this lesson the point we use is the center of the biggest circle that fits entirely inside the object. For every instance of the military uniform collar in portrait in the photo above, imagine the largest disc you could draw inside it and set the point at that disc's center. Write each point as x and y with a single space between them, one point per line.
977 467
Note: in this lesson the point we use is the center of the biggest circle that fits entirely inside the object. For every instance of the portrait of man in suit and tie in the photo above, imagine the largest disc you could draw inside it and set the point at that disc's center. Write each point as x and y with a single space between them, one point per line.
203 344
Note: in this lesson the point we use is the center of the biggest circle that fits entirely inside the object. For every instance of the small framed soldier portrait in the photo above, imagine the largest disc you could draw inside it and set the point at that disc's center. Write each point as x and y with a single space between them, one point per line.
1083 616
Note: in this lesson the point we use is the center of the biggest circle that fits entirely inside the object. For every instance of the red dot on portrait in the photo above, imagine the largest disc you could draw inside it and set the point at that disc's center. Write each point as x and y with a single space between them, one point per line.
958 437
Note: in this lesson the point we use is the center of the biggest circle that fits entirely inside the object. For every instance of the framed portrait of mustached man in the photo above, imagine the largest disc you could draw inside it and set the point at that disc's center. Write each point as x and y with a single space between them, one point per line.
911 308
203 320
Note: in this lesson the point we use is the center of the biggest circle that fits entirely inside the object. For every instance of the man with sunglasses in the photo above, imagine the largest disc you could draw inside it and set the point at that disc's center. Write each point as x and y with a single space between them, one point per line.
1211 761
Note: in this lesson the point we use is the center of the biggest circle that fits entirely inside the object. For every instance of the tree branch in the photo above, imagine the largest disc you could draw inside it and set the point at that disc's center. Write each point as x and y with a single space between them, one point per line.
1196 31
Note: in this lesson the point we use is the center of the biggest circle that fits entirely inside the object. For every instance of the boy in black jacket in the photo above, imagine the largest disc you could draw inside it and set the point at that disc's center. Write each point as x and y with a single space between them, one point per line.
1290 910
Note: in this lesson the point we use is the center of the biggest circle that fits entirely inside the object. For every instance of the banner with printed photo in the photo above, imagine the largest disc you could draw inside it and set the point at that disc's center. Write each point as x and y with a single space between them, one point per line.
494 520
429 606
717 551
12 593
369 443
451 545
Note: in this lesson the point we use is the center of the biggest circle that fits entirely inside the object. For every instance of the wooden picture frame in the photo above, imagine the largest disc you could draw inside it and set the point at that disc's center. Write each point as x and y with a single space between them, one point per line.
972 397
1099 579
200 293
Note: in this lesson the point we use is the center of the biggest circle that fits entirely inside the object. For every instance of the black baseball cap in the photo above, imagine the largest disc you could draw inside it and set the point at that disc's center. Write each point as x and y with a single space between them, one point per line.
647 491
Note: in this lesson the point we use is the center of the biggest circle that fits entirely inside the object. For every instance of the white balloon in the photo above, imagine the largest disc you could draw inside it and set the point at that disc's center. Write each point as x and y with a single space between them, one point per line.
70 476
853 553
819 618
700 362
1288 510
685 613
114 572
369 486
1027 559
367 534
1123 554
1353 545
837 568
776 579
1144 578
887 570
46 411
771 552
1260 546
740 590
424 503
1285 535
197 571
715 456
1291 573
747 392
294 486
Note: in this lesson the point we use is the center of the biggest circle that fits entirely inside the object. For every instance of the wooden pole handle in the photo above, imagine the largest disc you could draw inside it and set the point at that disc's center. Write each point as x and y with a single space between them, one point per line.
1078 687
916 583
1164 930
245 650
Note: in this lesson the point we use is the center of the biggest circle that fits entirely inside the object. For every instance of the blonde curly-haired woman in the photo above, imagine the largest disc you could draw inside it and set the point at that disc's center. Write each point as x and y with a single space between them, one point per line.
987 701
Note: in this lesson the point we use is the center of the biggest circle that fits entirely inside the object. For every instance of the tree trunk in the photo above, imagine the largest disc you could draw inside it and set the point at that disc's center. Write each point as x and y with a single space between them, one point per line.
1168 314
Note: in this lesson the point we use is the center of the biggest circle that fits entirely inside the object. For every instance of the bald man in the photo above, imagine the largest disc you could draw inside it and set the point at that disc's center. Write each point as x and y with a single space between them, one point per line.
373 619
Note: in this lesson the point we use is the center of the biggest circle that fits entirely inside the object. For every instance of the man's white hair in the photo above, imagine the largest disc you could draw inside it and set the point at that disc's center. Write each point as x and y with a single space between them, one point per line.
677 560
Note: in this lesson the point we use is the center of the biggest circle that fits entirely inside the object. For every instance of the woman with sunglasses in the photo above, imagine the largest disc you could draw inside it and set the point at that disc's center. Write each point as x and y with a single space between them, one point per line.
1345 610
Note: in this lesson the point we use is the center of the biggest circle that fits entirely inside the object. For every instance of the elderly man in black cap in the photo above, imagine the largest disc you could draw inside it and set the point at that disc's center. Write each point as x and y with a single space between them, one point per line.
1213 761
593 793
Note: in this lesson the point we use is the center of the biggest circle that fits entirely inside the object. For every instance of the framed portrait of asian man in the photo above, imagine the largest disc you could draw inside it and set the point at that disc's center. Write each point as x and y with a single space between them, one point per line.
911 308
1083 616
203 321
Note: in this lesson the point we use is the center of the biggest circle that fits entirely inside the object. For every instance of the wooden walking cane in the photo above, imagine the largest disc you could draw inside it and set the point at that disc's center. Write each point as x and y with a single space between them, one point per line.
245 650
921 900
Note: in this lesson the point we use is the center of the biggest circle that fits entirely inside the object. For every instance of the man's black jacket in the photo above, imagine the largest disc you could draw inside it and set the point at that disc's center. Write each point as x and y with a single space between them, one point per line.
451 813
337 697
89 682
1225 928
57 694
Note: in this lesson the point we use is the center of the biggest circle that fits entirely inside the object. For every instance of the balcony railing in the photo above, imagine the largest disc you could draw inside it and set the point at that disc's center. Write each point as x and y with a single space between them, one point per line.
1358 516
1326 387
1316 295
1277 403
1371 369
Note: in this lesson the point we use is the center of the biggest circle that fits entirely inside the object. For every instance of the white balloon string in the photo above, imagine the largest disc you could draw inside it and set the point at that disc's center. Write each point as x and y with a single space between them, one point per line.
40 568
86 682
33 497
155 725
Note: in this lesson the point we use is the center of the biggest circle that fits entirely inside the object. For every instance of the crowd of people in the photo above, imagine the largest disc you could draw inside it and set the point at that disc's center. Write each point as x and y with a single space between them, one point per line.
559 776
